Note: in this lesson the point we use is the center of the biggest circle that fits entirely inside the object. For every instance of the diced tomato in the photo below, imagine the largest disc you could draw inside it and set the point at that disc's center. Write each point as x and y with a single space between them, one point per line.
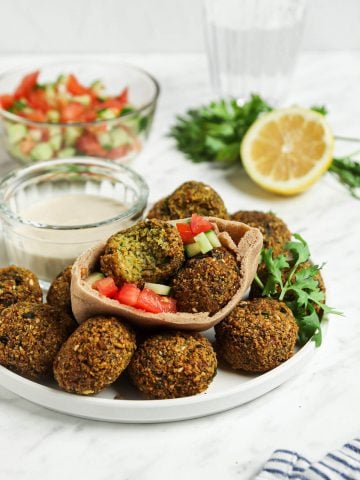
35 116
27 84
74 86
88 115
26 145
168 304
106 286
149 301
118 152
123 97
89 144
37 100
199 224
6 101
186 233
72 112
128 294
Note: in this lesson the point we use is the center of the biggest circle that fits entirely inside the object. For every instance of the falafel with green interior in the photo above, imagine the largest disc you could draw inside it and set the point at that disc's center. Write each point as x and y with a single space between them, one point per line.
206 283
257 336
18 284
94 356
59 291
31 335
274 230
150 251
173 365
190 197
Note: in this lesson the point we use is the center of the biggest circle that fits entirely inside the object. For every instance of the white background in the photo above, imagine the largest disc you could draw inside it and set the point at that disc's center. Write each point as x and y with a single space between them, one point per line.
120 26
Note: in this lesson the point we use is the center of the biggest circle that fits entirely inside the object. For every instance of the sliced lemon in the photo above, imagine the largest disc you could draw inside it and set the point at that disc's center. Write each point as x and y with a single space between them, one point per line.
287 150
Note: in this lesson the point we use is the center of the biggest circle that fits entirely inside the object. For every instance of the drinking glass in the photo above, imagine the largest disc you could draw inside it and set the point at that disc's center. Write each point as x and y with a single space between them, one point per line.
252 46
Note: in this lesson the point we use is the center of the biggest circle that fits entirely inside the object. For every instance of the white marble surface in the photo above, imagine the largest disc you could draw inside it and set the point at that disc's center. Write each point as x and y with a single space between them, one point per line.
316 411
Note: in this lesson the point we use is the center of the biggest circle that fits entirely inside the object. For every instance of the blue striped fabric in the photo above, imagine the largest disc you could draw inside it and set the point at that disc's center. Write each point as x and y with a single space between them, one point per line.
342 464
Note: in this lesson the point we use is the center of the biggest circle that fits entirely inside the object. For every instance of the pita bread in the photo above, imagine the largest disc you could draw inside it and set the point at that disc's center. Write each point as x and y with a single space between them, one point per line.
244 241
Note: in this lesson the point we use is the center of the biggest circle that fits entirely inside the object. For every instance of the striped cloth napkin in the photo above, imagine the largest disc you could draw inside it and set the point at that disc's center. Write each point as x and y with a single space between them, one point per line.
342 464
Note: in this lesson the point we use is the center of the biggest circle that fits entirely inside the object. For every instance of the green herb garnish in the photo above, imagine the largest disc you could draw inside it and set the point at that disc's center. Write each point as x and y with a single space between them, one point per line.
347 171
290 277
214 132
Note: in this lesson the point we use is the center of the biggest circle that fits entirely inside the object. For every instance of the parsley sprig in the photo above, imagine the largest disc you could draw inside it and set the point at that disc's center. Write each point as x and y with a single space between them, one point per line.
291 278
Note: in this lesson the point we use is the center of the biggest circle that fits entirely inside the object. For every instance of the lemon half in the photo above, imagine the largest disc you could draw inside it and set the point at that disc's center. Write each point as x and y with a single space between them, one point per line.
287 150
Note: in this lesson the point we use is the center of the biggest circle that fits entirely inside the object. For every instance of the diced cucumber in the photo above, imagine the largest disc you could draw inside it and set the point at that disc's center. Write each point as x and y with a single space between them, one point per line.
83 99
107 114
203 242
35 134
15 151
94 277
50 93
62 79
158 288
66 152
56 141
16 132
119 137
213 238
71 134
105 139
98 87
54 130
42 151
53 116
192 249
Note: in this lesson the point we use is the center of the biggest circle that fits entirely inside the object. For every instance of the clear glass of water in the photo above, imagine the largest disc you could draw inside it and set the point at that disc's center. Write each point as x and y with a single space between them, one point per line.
252 46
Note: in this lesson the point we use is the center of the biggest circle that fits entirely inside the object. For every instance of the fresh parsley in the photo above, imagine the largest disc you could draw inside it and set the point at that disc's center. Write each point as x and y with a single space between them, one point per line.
292 278
347 171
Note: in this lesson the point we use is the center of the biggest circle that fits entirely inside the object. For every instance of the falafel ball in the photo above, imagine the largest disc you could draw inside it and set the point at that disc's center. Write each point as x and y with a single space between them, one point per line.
149 251
31 335
191 197
274 230
257 336
160 210
94 356
18 284
207 283
59 291
172 365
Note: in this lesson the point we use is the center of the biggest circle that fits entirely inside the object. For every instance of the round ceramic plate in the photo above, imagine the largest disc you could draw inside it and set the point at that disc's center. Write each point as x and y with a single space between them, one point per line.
122 403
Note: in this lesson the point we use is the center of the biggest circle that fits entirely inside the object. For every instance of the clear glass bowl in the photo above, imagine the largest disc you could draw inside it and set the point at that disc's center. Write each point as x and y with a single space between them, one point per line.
47 248
121 139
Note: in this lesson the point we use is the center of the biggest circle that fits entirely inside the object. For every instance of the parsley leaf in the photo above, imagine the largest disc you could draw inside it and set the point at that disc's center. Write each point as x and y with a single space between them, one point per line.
293 279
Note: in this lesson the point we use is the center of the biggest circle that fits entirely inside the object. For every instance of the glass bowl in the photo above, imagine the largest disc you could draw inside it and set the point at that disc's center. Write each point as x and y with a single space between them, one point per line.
53 211
119 139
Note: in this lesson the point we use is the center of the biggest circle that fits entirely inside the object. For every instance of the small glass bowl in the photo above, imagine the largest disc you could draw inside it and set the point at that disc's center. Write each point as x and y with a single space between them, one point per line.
120 139
46 249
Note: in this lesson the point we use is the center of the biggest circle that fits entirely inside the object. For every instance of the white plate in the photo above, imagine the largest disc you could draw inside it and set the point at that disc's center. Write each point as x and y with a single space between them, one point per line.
228 390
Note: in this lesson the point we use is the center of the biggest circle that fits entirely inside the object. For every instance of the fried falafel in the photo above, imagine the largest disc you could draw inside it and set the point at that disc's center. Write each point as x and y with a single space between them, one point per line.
59 291
191 197
31 335
172 365
257 336
94 356
18 284
150 251
207 283
274 230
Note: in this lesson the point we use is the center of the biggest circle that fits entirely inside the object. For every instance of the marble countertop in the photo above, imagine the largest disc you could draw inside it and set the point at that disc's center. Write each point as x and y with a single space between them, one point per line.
314 412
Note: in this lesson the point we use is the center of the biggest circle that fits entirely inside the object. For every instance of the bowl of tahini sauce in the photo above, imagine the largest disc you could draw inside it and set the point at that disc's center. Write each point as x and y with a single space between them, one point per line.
52 211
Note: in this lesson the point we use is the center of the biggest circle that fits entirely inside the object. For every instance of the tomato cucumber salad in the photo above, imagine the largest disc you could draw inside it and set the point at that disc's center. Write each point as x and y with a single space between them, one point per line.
80 120
198 237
